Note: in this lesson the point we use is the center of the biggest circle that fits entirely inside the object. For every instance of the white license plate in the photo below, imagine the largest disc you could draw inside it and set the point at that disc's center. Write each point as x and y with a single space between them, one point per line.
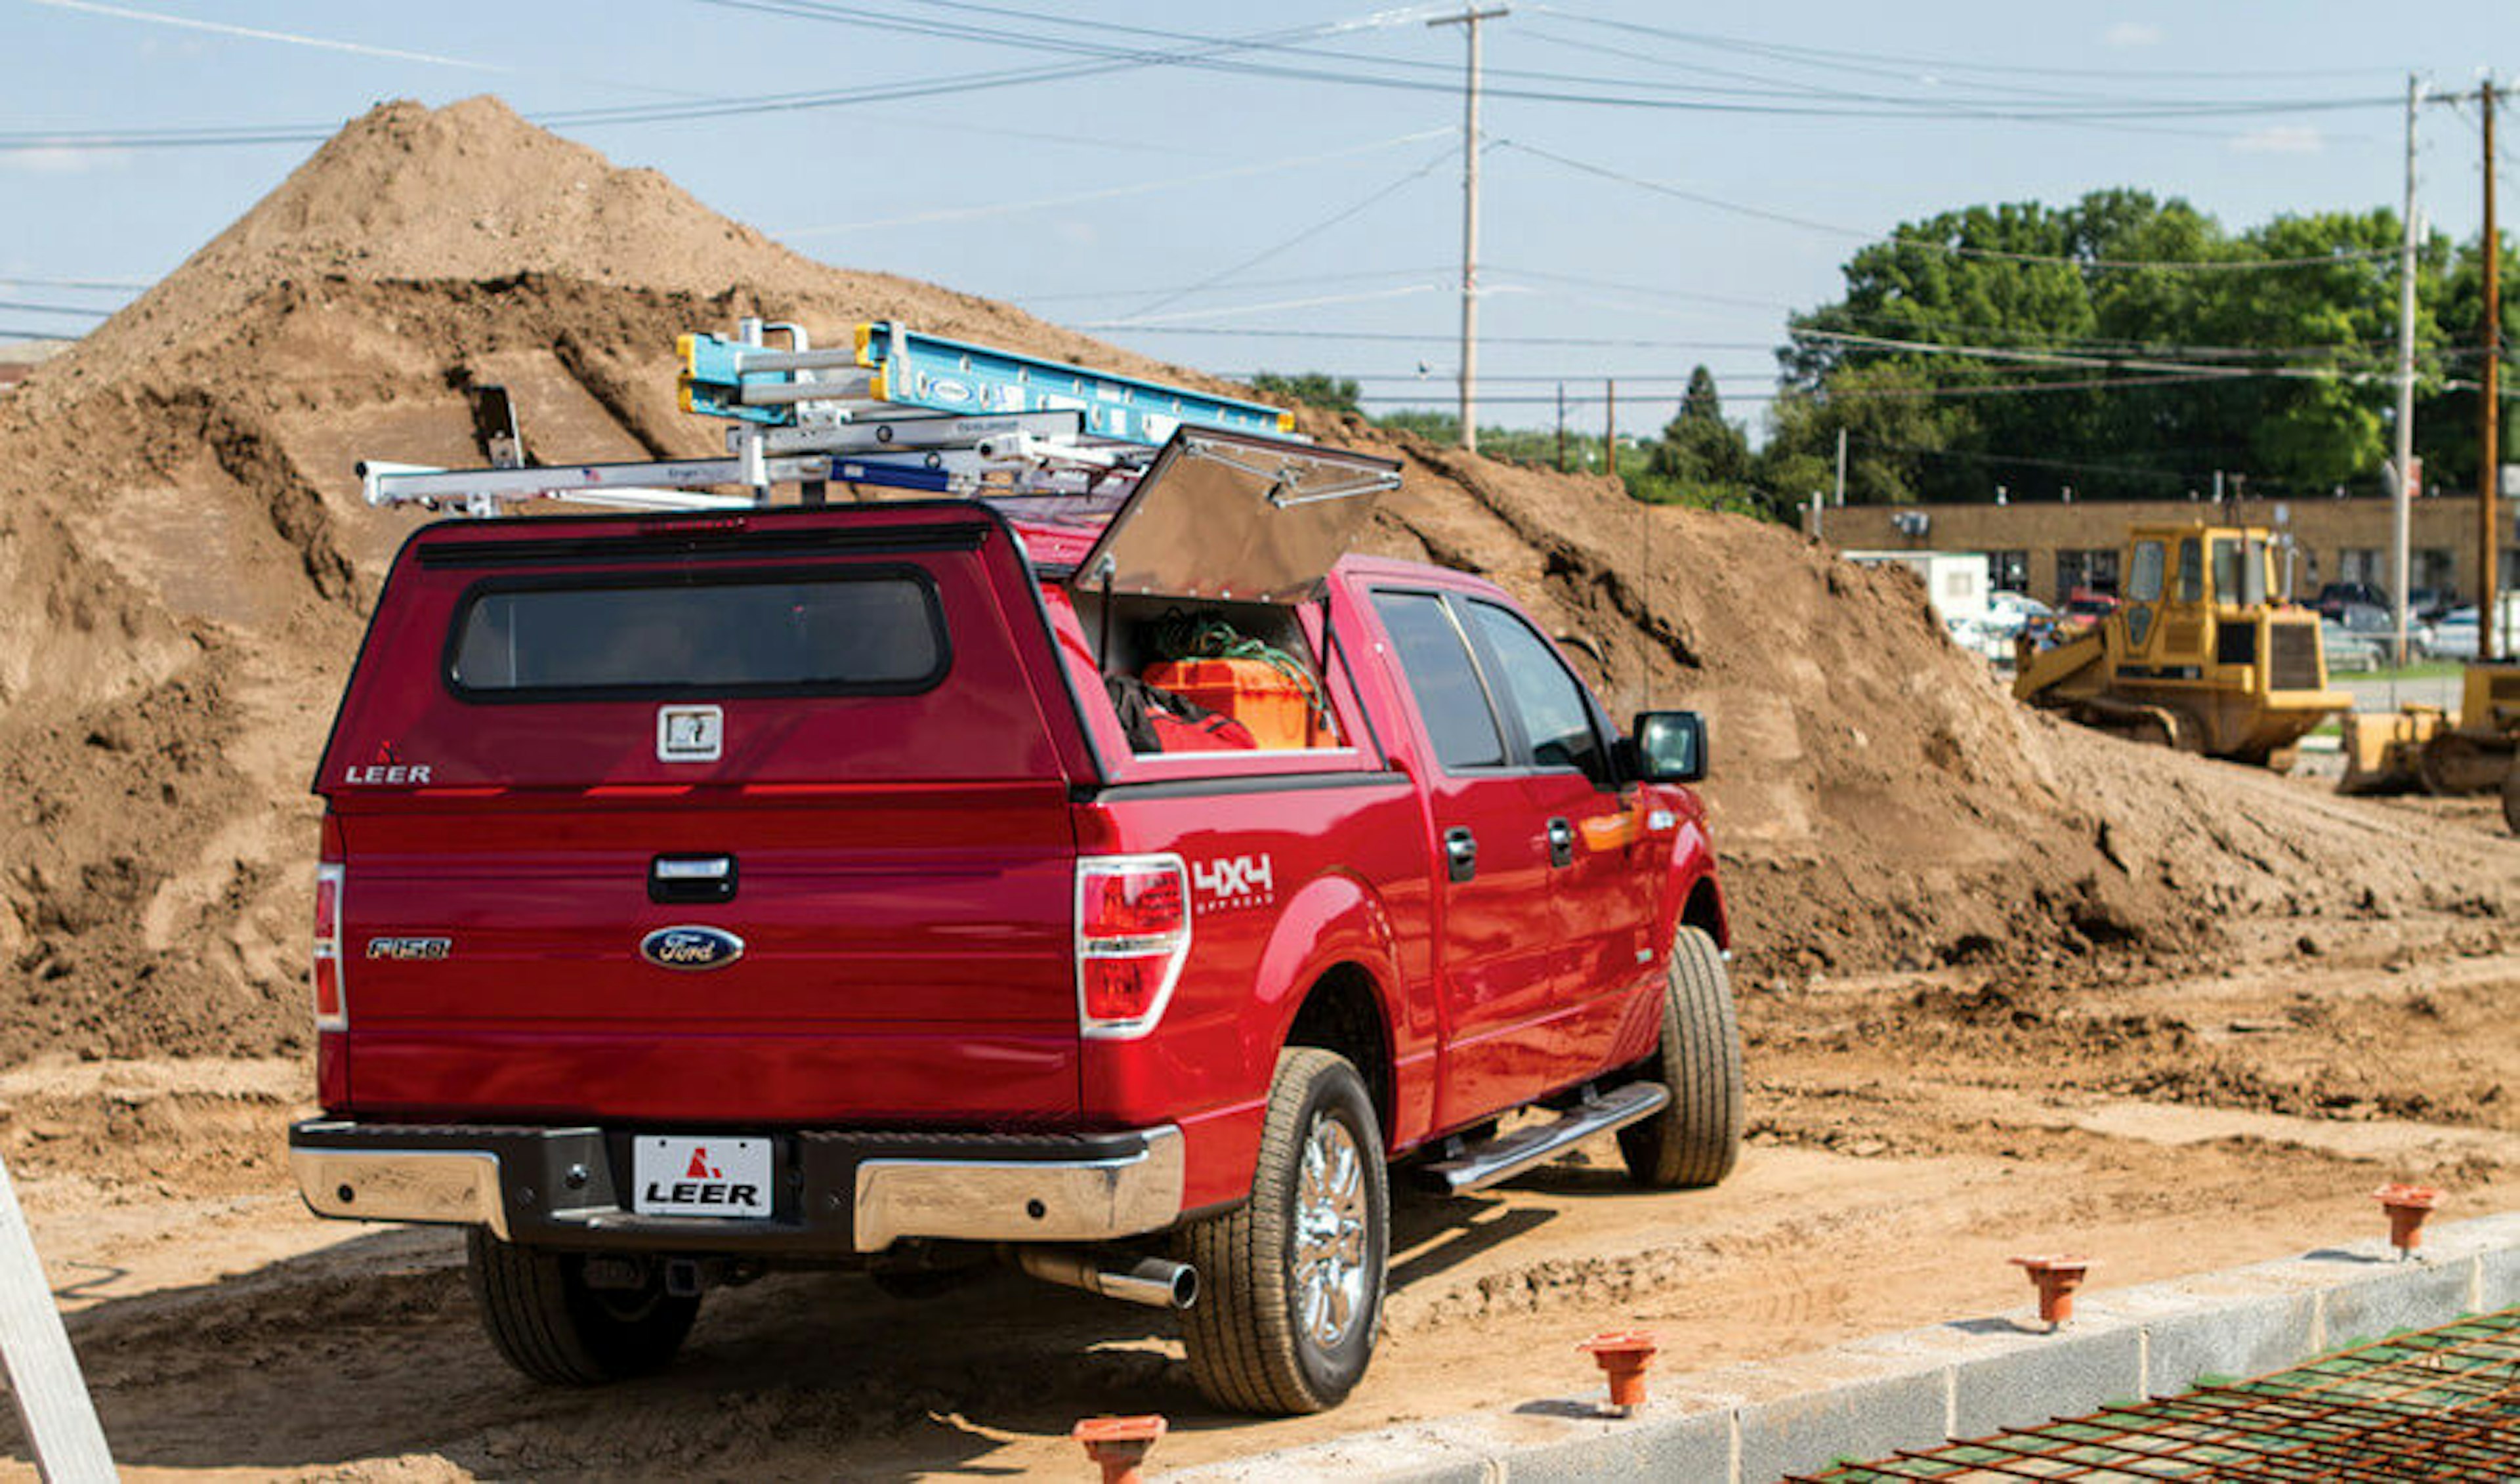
700 1176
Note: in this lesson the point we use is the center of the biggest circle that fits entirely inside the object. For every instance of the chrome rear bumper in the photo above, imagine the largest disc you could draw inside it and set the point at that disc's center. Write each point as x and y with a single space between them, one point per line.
839 1193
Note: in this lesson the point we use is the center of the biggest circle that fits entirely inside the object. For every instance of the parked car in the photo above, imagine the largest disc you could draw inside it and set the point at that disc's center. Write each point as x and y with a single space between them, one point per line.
2017 609
2335 598
2455 637
2353 650
2084 608
2429 604
818 888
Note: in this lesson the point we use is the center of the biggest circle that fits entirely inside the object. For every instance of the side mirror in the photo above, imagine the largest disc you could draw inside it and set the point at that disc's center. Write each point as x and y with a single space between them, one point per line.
1670 746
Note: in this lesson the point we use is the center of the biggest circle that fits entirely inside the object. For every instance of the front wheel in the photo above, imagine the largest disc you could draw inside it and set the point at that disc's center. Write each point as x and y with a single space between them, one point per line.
1291 1284
553 1326
1697 1137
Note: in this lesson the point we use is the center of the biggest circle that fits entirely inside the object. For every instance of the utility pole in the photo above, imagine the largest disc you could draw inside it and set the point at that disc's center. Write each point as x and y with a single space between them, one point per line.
1561 427
1610 427
1469 20
1841 465
2488 478
2404 476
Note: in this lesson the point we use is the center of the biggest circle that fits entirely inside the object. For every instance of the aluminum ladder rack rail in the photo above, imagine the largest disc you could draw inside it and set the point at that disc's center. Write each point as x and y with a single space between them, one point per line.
690 484
892 365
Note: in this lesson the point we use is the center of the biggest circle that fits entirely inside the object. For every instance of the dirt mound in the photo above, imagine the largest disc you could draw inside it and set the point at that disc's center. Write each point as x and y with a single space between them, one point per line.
185 564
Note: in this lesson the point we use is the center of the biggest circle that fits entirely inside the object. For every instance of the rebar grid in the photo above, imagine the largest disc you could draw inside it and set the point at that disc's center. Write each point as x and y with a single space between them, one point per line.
2440 1405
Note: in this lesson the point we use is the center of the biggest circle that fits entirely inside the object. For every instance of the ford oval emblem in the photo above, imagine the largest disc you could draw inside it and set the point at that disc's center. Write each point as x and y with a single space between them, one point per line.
690 948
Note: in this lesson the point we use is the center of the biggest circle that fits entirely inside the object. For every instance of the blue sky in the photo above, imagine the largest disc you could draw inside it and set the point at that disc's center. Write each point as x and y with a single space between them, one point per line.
1244 219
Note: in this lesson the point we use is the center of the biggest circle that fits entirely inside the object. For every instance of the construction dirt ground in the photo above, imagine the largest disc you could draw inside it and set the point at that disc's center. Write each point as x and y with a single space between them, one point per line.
2006 986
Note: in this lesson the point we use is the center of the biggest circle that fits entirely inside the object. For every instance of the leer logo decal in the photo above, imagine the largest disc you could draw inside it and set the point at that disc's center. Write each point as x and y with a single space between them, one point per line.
703 1184
388 768
1232 882
690 948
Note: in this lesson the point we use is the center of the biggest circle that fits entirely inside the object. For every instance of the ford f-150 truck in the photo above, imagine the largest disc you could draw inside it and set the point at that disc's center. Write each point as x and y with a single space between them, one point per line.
706 894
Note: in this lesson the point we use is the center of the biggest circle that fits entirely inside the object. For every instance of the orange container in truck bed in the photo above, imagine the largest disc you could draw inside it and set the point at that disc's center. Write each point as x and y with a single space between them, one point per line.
1260 696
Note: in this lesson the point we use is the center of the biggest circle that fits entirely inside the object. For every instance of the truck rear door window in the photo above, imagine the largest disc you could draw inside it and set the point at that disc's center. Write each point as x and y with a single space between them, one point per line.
615 639
1442 678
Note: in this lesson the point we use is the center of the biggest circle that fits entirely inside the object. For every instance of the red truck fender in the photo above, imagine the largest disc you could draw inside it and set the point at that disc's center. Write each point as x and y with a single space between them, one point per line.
1337 921
1690 891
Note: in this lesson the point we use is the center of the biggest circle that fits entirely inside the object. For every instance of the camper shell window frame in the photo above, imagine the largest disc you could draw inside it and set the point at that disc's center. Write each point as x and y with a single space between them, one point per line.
918 579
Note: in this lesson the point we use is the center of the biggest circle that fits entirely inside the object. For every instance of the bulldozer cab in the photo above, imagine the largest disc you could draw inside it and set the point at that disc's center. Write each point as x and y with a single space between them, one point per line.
2181 580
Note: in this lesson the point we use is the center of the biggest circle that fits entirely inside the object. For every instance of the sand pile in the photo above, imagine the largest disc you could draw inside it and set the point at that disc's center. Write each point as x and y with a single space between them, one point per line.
185 564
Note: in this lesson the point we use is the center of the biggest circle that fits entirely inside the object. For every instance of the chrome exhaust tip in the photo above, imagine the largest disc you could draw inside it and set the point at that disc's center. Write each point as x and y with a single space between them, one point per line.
1155 1282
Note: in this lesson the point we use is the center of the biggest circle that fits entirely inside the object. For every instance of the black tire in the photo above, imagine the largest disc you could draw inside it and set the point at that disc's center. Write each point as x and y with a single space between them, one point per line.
550 1326
1697 1136
1250 1342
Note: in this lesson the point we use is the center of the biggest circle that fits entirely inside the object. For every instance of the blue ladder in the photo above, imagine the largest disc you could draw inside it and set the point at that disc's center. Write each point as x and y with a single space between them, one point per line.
895 366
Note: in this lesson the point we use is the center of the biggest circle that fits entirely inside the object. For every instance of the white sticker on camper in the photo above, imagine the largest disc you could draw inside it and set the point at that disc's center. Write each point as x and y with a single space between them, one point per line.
689 734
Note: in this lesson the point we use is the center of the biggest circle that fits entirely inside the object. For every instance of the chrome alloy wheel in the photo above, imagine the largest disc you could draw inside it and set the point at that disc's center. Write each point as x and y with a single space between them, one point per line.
1326 1259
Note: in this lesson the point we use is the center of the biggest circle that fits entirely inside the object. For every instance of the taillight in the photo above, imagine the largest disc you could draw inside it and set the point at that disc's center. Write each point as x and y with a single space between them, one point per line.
331 1009
1132 934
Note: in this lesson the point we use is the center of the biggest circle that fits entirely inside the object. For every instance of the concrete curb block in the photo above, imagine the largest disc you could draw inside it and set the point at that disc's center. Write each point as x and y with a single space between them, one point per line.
1750 1424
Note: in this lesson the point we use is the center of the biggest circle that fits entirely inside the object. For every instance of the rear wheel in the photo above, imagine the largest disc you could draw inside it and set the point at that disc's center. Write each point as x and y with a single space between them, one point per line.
1290 1285
1697 1137
550 1324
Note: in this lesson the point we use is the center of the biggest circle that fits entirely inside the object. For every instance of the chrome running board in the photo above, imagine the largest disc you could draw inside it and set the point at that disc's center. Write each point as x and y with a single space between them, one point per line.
1481 1165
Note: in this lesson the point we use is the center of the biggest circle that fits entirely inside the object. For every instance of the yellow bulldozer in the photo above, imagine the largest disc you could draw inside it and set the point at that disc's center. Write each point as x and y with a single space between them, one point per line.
2477 750
2200 654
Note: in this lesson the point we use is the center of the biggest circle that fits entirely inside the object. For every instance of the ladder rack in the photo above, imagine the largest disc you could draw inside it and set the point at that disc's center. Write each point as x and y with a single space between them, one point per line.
896 410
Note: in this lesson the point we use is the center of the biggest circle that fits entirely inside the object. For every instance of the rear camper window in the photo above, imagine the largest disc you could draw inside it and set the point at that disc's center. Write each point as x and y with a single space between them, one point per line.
863 634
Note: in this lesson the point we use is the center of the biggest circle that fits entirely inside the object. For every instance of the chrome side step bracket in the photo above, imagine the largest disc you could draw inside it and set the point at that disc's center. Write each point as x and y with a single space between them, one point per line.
1481 1165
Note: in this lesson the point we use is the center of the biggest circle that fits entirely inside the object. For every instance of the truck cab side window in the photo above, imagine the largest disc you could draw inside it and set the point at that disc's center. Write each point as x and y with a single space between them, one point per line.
1546 696
1442 679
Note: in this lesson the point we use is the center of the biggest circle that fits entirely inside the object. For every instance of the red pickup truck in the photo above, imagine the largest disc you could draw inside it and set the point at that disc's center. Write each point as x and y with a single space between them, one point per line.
703 895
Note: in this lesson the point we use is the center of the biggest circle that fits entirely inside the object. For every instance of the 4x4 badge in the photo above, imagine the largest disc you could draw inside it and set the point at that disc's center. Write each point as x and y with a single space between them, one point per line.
689 948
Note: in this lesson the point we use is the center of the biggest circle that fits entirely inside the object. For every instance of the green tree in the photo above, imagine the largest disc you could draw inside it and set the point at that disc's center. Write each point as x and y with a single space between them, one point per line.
1313 389
2160 368
1699 447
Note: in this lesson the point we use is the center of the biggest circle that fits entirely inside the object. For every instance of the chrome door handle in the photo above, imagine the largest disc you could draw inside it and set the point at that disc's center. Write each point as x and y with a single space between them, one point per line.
1561 843
1461 854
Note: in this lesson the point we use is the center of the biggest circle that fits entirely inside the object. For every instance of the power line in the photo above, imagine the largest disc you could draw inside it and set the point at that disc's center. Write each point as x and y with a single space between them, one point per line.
114 286
1359 276
221 136
1033 41
2053 358
1108 192
1827 55
1359 208
75 312
1438 337
1209 53
1900 393
1313 301
1955 249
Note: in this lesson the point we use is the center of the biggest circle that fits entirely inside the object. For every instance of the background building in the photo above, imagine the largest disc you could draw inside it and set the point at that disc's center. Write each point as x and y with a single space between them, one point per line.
2049 547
